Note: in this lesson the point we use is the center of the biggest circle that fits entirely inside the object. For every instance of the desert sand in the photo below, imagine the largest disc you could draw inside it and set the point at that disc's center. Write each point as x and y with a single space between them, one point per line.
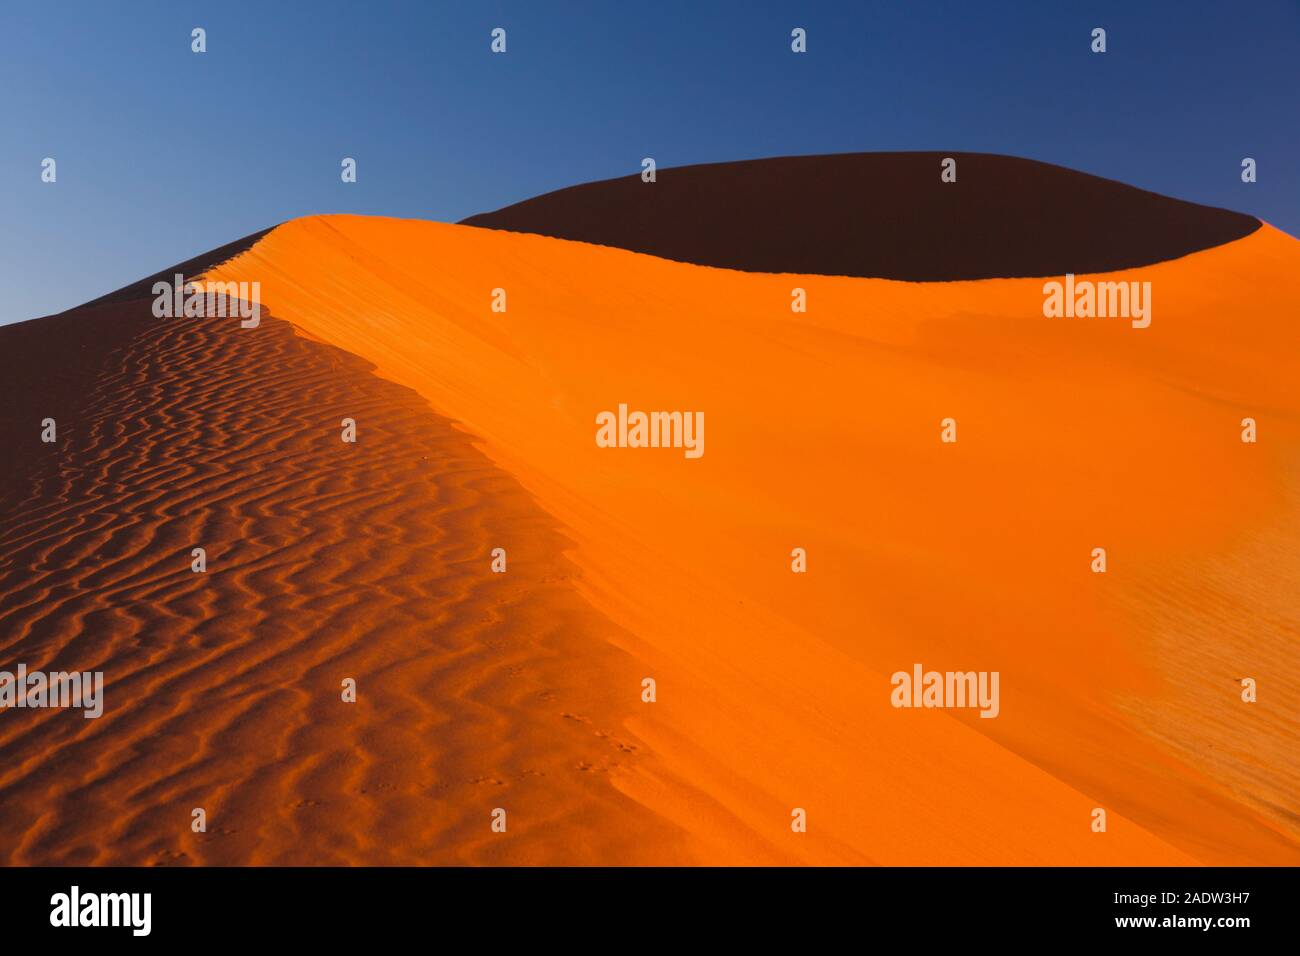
523 690
223 689
1121 690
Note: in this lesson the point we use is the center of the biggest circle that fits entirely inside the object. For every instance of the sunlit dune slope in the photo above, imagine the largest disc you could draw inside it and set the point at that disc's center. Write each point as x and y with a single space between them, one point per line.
903 215
1118 690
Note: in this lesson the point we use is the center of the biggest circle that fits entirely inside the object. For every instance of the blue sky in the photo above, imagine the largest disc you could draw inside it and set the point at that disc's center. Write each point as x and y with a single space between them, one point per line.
163 153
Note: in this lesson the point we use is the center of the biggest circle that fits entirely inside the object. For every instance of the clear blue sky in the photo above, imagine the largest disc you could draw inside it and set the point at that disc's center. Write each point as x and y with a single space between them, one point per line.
163 153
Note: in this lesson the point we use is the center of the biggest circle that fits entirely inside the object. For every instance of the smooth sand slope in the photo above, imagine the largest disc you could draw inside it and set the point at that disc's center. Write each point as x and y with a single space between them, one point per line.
1119 690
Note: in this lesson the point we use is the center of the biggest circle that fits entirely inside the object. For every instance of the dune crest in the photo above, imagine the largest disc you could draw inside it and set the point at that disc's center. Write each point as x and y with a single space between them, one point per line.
1119 690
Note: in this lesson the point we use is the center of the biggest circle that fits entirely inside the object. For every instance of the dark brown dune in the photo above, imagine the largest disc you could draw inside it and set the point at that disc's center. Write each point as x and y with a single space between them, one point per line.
880 215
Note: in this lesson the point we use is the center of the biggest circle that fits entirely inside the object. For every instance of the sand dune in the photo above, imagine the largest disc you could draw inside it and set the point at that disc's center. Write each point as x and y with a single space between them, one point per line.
1120 690
880 215
523 690
325 561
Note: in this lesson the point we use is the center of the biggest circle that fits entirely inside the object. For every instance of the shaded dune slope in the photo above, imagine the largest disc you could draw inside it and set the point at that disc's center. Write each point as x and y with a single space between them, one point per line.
325 561
880 215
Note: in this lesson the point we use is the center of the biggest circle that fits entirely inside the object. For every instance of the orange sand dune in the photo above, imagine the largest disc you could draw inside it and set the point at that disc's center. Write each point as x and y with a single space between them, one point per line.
1119 690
